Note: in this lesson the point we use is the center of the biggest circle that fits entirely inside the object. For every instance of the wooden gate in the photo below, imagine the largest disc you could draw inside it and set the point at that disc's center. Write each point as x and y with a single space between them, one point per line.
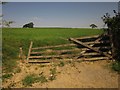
88 48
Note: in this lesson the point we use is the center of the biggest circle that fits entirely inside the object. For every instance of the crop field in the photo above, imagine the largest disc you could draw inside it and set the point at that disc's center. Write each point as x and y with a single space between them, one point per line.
14 38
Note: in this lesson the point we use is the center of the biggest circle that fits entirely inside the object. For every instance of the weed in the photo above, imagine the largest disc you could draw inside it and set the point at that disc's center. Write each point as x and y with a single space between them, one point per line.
28 80
53 71
41 79
52 74
79 61
61 64
69 62
9 65
17 70
42 65
116 66
6 76
52 77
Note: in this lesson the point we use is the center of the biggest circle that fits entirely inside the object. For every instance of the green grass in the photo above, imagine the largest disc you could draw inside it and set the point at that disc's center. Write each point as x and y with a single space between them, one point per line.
30 79
13 38
6 76
9 65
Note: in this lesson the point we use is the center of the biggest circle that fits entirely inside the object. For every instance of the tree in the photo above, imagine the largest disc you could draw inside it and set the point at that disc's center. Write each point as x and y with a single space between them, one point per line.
29 25
7 23
113 24
4 22
93 26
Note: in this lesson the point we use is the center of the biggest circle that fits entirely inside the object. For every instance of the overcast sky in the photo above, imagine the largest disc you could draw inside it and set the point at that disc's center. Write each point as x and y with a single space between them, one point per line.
57 14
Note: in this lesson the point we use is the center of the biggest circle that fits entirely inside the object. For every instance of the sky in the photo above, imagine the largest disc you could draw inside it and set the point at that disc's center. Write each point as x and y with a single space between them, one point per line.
58 14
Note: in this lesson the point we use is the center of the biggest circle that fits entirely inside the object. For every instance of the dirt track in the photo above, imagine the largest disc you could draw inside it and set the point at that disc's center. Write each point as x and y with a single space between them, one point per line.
76 75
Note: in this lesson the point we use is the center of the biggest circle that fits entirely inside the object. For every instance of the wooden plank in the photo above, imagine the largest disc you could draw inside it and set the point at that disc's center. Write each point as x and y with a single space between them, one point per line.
39 61
57 51
93 59
63 45
87 54
91 44
96 42
66 60
31 43
37 52
81 43
61 51
86 37
49 60
49 56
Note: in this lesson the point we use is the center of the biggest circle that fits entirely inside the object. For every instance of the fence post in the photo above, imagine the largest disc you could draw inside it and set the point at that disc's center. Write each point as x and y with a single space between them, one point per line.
30 48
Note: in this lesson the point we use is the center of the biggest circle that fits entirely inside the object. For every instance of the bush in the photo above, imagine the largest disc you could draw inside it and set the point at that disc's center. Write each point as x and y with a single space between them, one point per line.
116 66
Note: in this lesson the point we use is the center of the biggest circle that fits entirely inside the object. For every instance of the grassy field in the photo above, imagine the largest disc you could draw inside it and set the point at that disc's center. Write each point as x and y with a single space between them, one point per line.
13 38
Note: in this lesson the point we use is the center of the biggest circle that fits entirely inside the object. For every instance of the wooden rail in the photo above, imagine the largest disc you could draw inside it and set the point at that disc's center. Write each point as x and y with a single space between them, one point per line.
64 45
66 60
57 51
90 54
87 37
81 43
53 56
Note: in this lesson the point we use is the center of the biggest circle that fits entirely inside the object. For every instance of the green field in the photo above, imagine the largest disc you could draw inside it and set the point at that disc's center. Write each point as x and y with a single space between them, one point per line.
13 38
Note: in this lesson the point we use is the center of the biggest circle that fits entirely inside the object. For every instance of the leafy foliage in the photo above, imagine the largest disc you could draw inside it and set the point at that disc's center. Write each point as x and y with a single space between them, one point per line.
113 31
7 23
116 66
